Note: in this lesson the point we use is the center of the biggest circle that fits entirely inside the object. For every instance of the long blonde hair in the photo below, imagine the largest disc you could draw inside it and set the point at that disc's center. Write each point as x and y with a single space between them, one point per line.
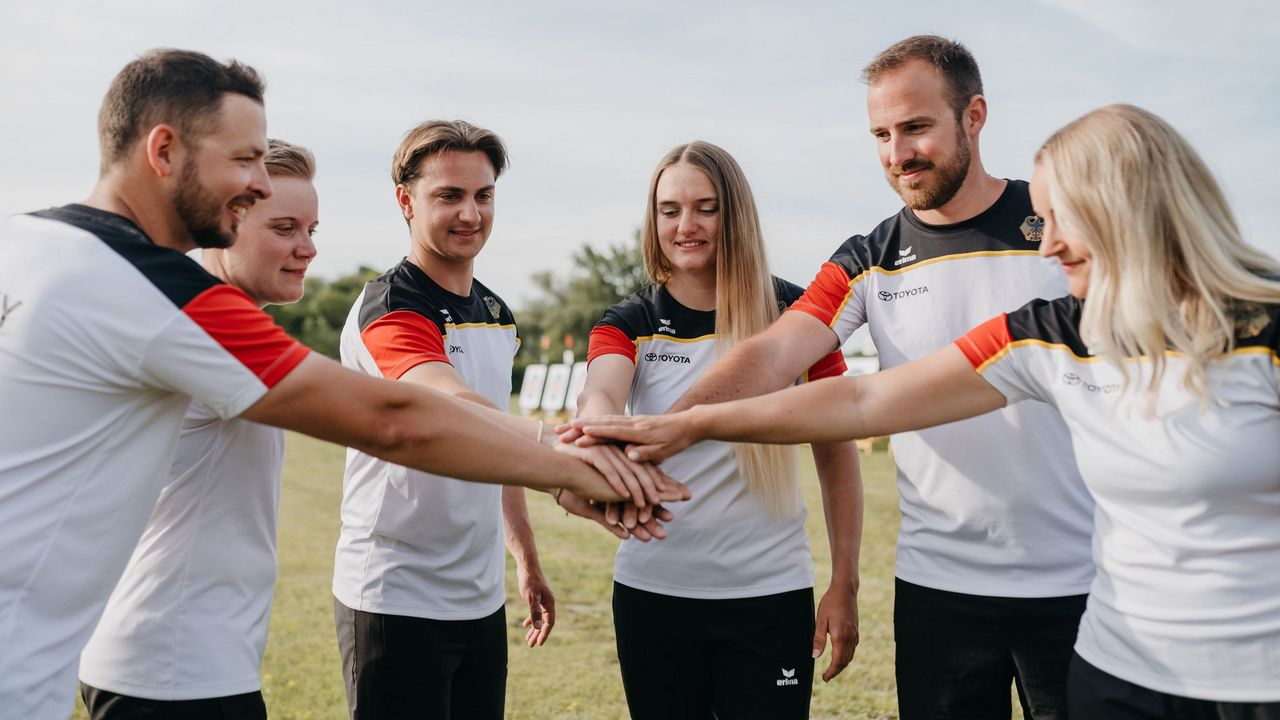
746 303
1170 268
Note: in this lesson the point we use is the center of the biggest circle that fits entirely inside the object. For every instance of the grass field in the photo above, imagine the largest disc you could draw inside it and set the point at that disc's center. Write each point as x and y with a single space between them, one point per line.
575 675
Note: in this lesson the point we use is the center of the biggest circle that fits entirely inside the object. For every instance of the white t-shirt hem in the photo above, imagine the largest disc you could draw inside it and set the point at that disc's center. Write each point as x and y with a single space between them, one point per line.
1265 692
420 611
172 692
799 583
987 587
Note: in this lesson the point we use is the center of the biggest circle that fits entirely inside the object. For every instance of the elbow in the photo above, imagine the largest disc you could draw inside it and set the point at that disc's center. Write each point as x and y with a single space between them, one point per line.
394 432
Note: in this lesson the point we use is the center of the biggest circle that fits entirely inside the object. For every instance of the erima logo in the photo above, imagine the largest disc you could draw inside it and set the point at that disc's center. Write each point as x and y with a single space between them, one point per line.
905 252
7 307
1074 379
447 317
904 256
666 326
456 349
678 359
788 677
886 296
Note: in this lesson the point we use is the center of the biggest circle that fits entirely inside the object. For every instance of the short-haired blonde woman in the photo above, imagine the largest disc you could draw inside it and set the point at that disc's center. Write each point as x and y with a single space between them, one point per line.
718 619
1165 363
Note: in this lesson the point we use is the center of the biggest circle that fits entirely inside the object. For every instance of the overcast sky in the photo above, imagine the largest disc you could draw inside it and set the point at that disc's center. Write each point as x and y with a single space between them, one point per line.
589 95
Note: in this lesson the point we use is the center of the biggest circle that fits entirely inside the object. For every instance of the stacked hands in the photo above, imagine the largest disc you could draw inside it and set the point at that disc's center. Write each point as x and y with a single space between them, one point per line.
641 485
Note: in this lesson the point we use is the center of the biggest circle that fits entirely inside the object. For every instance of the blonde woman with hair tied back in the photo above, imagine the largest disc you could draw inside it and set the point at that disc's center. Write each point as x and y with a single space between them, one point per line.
735 557
1175 430
1175 274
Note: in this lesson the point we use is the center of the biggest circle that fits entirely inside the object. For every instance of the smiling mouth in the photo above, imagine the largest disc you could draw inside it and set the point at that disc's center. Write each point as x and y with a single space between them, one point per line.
240 207
690 244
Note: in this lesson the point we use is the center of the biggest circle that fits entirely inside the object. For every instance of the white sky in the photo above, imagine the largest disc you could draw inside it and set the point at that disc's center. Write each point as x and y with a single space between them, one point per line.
589 95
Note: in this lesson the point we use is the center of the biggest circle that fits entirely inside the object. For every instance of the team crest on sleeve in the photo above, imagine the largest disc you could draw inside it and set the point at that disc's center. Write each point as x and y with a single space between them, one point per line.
1033 228
494 308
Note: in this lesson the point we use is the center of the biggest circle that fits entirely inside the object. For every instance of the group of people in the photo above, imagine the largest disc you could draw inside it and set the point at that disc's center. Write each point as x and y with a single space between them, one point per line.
1109 550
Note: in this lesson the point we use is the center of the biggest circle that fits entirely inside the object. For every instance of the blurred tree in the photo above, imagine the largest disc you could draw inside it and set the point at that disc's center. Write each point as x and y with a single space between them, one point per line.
569 305
316 320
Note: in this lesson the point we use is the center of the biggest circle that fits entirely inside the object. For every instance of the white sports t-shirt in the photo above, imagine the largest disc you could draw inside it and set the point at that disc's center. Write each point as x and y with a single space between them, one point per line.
971 523
104 338
188 619
1187 596
413 543
723 543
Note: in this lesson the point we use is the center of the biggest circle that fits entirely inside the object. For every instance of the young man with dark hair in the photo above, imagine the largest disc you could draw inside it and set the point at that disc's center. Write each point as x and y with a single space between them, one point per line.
418 578
993 557
109 331
185 629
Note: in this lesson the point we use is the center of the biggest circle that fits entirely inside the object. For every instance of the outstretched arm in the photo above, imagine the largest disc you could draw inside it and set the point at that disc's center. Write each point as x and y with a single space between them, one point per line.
420 428
940 388
768 361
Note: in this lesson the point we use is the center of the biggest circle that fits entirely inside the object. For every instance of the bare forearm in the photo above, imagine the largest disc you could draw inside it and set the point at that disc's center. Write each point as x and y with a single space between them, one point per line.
591 404
518 532
433 432
824 411
751 368
842 504
937 389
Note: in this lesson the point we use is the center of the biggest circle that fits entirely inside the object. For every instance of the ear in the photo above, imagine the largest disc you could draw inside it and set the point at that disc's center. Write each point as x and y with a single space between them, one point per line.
161 146
405 201
975 115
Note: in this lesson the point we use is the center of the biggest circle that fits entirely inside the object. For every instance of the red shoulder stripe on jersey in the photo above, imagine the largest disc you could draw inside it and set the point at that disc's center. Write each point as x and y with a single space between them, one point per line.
986 340
401 340
827 294
609 340
831 365
242 329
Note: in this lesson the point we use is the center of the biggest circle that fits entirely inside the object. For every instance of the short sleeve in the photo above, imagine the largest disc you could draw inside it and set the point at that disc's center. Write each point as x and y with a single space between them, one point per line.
221 350
829 365
402 340
832 297
610 340
994 354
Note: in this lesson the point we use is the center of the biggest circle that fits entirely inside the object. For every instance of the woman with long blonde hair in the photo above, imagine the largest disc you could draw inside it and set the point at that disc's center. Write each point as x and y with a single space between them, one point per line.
1168 378
718 618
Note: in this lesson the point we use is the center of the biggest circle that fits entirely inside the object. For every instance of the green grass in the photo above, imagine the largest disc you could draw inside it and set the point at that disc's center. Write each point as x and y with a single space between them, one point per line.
575 675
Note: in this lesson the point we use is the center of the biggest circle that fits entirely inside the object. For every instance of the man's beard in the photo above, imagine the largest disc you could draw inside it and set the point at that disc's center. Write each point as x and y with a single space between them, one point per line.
947 181
199 212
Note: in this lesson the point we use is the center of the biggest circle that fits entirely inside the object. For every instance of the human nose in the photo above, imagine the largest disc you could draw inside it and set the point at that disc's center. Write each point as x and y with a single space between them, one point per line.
901 150
469 212
1050 246
685 226
306 248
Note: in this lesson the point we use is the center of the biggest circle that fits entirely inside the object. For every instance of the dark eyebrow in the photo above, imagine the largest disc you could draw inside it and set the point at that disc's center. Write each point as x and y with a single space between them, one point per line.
290 218
455 189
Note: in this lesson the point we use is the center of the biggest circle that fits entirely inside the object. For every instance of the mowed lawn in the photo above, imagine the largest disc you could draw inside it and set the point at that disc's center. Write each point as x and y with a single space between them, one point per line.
575 675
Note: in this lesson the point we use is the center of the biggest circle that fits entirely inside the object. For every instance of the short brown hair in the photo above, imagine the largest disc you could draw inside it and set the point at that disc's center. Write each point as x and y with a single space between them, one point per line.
288 160
176 87
437 136
950 58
